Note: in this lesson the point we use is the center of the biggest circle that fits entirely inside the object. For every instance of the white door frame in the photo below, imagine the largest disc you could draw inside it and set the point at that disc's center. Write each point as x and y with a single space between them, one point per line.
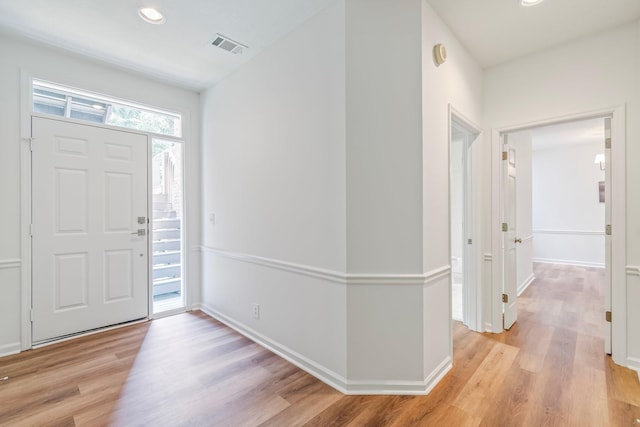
26 112
471 293
618 221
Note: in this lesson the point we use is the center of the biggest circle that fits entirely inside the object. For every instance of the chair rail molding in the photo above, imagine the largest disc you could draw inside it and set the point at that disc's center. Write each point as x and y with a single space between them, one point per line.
6 264
633 270
424 279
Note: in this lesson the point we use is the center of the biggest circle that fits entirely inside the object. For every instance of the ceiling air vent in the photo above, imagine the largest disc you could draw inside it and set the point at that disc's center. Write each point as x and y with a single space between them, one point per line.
225 43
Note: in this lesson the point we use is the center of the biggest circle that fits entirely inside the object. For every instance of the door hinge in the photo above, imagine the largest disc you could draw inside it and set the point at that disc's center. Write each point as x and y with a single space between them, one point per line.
607 143
505 298
608 230
31 314
505 156
505 226
31 230
607 316
469 241
31 143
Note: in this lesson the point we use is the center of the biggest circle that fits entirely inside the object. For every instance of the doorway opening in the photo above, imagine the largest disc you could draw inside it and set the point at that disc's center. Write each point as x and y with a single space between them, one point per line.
167 226
463 237
555 214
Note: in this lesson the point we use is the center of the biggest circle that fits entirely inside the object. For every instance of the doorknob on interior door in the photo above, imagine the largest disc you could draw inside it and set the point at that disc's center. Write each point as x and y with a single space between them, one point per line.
516 240
140 232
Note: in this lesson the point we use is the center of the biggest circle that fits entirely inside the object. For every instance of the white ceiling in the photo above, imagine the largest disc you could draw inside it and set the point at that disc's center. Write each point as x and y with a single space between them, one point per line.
496 31
572 133
180 51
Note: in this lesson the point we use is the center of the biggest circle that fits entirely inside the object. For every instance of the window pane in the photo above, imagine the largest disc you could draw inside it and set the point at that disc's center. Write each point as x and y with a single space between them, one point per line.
49 98
144 120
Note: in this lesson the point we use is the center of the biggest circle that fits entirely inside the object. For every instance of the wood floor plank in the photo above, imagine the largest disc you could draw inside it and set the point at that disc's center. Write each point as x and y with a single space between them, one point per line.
191 370
487 380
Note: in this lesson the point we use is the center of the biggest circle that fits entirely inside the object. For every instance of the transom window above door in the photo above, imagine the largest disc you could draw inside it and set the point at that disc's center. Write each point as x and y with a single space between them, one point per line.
57 100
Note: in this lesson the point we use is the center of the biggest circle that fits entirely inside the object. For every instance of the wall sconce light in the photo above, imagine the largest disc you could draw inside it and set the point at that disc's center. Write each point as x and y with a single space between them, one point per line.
600 159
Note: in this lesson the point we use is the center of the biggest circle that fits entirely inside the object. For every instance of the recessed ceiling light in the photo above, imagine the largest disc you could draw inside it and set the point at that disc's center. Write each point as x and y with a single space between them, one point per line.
530 2
151 15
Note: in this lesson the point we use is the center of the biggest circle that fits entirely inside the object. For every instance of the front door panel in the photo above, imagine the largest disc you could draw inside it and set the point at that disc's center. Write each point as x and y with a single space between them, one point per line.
90 265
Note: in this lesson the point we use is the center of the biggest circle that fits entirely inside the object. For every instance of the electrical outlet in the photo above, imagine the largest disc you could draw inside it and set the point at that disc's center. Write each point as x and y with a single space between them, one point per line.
256 311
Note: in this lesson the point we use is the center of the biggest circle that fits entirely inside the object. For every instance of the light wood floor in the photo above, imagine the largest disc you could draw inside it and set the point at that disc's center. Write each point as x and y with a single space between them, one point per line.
190 370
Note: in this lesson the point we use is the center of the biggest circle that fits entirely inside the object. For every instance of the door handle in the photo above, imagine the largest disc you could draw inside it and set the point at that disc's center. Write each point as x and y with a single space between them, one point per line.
517 240
140 232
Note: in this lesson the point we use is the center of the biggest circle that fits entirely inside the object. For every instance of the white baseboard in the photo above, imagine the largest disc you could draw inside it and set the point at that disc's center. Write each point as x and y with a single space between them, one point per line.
523 286
569 262
634 363
488 327
323 374
9 349
340 383
417 388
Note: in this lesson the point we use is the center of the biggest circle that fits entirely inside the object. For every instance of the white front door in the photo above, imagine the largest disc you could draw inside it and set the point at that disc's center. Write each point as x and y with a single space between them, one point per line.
89 232
509 237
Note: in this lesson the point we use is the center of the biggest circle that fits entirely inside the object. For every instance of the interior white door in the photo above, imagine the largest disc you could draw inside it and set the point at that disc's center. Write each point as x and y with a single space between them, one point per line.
509 237
89 232
607 237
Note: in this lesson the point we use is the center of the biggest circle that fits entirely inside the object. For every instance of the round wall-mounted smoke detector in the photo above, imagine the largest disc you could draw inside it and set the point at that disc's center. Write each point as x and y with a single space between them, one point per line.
439 54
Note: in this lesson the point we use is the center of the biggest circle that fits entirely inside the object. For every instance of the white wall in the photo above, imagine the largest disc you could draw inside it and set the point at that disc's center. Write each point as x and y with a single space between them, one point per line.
568 218
384 190
458 83
571 79
56 66
524 229
274 175
313 165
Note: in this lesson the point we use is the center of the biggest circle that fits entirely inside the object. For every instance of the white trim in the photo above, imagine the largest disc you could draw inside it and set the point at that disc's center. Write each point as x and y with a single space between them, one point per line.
9 349
415 388
618 217
437 374
569 262
6 264
305 270
437 274
632 270
524 285
323 374
425 279
472 268
26 113
571 232
634 363
335 380
26 95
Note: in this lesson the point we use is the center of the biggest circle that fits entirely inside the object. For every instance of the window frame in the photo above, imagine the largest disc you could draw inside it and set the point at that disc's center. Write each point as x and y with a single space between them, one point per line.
73 95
